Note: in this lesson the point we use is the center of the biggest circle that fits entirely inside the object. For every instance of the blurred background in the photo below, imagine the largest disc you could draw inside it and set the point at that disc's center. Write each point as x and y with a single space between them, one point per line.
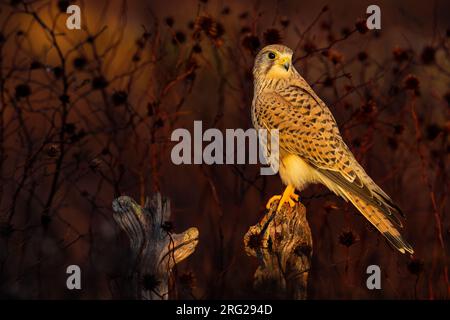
86 115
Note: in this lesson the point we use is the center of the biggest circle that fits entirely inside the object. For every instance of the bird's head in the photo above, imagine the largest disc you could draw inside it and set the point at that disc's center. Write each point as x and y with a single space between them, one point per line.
273 62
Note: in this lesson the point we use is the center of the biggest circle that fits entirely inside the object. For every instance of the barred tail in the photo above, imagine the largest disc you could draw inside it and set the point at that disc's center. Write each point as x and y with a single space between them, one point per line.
380 221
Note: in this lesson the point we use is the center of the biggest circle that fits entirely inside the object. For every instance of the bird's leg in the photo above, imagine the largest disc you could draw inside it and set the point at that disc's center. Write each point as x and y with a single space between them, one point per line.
288 195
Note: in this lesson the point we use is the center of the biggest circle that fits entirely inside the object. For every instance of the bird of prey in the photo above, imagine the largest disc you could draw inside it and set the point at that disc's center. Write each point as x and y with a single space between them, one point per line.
311 149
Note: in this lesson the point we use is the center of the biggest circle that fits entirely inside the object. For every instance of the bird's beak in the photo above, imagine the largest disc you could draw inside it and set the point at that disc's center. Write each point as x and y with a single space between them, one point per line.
285 62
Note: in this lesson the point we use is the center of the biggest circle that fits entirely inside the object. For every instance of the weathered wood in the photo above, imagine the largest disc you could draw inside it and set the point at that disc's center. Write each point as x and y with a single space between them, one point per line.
155 249
282 243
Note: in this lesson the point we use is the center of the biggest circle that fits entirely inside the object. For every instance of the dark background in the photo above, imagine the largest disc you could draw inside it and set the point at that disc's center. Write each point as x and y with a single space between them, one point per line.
87 115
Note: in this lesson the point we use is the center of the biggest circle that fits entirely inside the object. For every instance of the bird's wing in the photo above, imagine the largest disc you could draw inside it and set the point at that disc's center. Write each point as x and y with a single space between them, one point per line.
308 129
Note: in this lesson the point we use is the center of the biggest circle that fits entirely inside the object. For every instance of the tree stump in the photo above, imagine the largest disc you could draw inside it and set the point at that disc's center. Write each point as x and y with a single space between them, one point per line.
155 249
282 243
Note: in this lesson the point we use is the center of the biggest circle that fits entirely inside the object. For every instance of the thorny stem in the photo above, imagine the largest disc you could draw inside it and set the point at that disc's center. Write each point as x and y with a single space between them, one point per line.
426 180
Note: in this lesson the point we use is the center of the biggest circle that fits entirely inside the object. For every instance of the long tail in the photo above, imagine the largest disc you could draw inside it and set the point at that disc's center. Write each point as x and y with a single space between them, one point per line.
380 221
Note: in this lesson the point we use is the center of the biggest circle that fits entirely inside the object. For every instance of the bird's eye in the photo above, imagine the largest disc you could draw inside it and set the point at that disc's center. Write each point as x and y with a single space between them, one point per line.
271 55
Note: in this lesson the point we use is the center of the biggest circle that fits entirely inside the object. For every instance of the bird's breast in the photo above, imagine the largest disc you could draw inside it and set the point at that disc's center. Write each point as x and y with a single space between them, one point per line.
297 172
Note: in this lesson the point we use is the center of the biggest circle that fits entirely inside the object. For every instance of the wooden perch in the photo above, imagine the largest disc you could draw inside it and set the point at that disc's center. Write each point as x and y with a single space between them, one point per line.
154 248
282 243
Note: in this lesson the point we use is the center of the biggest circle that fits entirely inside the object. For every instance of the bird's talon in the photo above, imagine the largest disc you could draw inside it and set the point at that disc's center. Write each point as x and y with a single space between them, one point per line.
271 200
288 196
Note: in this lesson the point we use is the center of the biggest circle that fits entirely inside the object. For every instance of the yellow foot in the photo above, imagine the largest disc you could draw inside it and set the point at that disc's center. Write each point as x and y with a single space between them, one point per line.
272 199
288 196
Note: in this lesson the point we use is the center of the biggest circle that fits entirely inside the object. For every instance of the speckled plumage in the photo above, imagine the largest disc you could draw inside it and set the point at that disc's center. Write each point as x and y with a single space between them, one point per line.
311 147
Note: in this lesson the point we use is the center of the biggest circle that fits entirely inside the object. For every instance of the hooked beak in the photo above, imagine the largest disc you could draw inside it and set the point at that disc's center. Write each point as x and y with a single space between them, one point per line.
285 63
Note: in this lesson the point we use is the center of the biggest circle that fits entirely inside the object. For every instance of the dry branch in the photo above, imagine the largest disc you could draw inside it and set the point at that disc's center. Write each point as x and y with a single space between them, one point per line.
282 243
154 248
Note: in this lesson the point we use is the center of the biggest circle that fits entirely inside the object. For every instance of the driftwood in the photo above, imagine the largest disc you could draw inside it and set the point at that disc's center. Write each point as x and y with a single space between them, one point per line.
282 243
155 249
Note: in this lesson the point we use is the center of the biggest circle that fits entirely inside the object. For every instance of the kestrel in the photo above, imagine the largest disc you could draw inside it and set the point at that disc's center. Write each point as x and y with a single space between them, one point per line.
311 149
